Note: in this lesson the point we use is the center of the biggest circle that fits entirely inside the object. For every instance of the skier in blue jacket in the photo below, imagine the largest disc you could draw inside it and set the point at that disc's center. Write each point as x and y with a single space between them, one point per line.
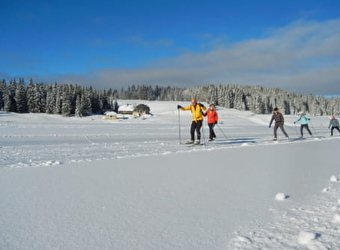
304 123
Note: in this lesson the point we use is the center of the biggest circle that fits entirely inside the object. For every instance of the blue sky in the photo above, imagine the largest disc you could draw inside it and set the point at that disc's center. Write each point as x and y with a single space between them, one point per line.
293 45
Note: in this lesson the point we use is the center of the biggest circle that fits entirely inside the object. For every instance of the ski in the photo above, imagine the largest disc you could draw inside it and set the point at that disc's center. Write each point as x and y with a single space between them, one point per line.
277 140
191 143
194 144
298 139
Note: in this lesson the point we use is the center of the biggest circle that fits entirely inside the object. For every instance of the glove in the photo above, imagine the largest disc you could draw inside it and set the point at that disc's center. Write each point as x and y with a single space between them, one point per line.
201 105
215 122
179 106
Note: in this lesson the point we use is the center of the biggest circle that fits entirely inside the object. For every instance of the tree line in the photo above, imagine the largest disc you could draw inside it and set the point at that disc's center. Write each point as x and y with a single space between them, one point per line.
17 96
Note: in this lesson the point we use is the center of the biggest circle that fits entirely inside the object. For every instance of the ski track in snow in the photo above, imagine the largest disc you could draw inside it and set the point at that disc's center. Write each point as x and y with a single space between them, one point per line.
38 149
49 155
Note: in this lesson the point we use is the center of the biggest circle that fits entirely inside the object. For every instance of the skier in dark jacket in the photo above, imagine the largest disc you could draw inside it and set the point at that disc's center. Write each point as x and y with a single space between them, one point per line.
334 124
279 122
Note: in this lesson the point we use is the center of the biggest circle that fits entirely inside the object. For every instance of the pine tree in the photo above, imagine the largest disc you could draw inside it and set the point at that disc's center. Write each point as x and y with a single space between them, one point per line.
79 108
58 100
36 101
50 99
11 103
7 101
43 94
30 97
86 104
20 97
115 106
3 89
66 101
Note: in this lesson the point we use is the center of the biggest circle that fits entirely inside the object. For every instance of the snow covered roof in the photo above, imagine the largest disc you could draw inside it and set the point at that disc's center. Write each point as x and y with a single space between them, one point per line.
126 107
110 113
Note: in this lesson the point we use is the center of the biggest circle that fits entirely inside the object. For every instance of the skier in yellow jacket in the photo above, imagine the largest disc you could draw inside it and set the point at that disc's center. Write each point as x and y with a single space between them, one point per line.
197 119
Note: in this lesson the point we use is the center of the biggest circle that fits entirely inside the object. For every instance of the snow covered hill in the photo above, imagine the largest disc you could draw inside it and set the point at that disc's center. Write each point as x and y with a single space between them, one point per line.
90 183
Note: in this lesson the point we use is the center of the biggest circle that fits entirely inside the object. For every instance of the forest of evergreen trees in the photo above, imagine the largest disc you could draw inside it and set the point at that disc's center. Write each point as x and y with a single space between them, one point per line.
21 97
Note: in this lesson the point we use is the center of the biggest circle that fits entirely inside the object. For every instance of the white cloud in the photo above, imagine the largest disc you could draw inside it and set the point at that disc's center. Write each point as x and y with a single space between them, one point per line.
301 57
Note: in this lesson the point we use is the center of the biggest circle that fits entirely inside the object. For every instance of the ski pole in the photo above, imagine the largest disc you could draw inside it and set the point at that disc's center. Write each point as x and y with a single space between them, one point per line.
179 126
203 133
296 130
313 128
222 131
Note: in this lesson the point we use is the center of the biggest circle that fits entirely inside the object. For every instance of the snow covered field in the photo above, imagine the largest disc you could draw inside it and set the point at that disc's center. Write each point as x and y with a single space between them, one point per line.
89 183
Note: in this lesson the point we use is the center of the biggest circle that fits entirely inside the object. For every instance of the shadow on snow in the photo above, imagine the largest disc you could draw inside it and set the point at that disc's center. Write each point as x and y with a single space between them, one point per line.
236 141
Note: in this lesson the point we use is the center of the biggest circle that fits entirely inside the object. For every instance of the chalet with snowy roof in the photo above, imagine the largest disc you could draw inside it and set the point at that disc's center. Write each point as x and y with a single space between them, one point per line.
129 109
126 109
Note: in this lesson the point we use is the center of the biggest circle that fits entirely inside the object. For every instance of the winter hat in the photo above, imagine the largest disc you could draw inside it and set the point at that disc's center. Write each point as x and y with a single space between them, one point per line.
276 109
333 116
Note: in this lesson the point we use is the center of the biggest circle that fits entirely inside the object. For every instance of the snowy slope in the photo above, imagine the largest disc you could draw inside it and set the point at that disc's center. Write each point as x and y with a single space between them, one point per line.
89 183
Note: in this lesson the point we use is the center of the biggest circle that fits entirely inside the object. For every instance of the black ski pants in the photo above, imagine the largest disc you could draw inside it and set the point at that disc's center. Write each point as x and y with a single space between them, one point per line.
196 126
279 125
337 128
305 126
212 134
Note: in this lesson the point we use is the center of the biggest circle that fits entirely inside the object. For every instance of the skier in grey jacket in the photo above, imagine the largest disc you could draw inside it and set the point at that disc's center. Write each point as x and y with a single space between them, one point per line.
334 124
279 122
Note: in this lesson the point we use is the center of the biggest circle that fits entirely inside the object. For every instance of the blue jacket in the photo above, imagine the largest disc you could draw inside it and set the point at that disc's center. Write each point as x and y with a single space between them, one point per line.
304 119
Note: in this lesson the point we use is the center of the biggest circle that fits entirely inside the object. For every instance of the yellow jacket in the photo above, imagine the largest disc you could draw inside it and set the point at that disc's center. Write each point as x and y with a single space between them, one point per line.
196 110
